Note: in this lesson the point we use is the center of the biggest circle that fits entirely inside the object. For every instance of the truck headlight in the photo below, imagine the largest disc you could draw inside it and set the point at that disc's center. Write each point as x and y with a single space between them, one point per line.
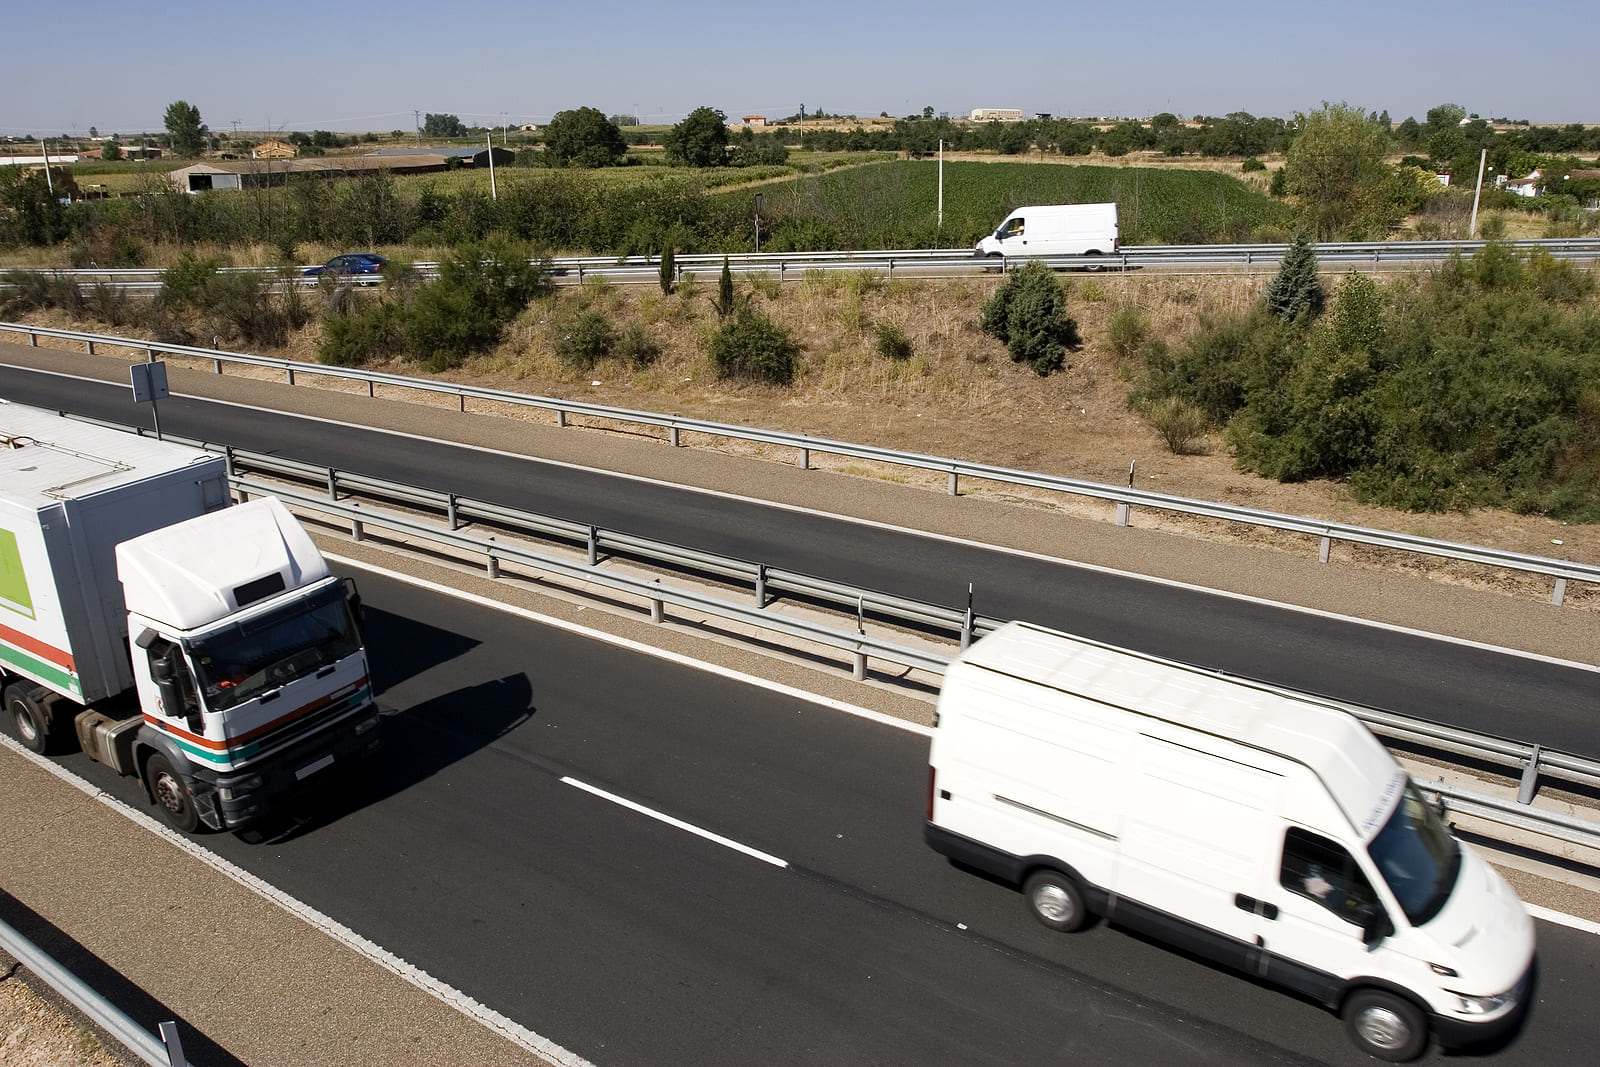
241 788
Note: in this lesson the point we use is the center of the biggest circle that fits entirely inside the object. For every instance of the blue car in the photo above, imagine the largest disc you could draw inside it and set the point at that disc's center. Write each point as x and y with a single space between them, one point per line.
353 263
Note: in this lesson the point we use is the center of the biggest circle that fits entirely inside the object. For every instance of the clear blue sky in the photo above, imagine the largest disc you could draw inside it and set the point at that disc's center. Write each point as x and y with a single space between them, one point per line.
355 66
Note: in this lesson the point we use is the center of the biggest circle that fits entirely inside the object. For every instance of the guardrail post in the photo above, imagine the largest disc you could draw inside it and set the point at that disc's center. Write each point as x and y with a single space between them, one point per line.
658 608
677 442
966 630
174 1045
358 529
333 484
450 511
954 483
561 417
494 561
1324 548
461 402
761 585
1530 777
594 546
90 343
1559 593
1122 513
216 365
291 374
370 393
805 457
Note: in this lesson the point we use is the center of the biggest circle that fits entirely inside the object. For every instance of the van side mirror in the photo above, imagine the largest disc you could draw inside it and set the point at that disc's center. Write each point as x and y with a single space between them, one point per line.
1375 926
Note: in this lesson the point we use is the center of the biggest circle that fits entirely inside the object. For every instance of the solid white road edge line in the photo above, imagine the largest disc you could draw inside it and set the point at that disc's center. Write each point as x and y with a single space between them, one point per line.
1095 568
638 646
1561 918
725 842
512 1031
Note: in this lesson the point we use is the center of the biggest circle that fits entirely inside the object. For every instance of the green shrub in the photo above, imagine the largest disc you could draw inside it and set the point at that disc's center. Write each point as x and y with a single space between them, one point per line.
109 303
893 342
753 346
349 341
1128 330
1181 425
636 346
241 305
1029 314
479 290
1252 164
585 341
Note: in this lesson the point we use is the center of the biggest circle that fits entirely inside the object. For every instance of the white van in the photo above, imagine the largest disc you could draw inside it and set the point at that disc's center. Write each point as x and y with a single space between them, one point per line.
1055 230
1267 831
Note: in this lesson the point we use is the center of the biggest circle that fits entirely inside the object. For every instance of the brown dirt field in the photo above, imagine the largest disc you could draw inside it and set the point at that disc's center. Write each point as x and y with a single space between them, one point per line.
958 395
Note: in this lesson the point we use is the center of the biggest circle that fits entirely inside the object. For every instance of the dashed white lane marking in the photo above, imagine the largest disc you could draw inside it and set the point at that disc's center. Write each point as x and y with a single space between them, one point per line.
512 1031
698 831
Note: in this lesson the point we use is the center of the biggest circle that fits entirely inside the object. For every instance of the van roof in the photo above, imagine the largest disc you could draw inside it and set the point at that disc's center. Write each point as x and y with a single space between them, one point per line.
1359 772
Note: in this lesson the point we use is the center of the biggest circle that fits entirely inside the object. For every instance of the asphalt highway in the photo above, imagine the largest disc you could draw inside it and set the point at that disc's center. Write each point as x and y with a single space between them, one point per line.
1477 688
491 847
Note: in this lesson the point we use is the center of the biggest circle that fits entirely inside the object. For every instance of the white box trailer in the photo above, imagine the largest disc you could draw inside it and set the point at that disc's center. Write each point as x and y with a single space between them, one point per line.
1264 830
204 648
1055 230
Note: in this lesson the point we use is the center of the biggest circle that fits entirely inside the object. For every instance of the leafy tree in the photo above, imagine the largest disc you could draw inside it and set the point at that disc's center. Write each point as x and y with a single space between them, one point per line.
442 126
1445 116
623 120
28 213
184 128
93 132
1337 167
584 138
1029 314
1295 289
700 140
112 151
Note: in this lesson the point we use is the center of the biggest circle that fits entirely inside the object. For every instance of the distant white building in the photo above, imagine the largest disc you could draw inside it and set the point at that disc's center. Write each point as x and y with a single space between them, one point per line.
1528 186
996 114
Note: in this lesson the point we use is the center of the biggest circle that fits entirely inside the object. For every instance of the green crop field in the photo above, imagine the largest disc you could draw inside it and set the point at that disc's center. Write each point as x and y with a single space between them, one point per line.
895 205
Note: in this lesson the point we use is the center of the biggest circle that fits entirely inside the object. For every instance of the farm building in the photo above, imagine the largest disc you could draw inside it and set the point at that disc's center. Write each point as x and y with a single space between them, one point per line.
256 173
996 114
274 150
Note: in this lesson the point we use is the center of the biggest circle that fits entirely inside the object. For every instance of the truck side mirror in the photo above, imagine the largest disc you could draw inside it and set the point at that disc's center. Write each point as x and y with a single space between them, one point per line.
352 596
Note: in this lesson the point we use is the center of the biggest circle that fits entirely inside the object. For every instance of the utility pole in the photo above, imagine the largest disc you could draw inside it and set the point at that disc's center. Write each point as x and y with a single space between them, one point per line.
941 184
416 116
1472 227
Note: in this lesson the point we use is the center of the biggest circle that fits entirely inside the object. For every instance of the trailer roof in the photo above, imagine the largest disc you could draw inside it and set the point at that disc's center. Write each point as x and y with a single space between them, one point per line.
46 458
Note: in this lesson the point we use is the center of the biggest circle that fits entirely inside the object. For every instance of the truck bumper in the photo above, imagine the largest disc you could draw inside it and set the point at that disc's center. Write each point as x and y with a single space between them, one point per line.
237 798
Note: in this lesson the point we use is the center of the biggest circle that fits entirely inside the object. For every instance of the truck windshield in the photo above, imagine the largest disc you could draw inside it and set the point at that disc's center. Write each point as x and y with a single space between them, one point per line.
1417 857
240 662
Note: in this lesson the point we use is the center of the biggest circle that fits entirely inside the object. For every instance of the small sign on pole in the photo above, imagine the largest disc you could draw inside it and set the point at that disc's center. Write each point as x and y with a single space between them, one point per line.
150 385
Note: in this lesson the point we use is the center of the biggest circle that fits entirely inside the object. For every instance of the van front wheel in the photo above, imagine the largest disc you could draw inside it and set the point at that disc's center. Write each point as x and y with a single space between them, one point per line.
1386 1026
1056 901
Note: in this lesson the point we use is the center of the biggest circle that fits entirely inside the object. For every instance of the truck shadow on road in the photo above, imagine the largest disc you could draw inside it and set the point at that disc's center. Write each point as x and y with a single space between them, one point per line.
419 740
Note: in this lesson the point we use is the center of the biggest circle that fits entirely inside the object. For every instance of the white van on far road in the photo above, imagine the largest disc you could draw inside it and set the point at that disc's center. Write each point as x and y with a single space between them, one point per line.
1056 230
1261 829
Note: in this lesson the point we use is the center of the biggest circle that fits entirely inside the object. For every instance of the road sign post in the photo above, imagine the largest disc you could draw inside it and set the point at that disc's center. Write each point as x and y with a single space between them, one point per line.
150 385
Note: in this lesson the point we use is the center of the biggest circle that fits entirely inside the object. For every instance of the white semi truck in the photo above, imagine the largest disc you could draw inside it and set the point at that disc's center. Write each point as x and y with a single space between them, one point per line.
202 647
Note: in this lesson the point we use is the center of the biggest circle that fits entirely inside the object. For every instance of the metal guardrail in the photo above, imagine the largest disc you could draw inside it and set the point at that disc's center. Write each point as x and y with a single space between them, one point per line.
1529 761
1129 257
163 1051
1123 497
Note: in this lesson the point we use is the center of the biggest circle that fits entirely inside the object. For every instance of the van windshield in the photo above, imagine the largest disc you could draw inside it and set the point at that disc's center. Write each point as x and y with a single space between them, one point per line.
1417 857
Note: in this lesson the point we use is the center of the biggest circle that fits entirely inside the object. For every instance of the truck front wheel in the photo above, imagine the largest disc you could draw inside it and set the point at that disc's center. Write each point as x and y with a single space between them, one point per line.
171 795
28 716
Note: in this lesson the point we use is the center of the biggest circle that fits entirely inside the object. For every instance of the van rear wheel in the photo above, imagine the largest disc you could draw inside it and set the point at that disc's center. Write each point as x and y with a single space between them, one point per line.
1056 901
1386 1026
